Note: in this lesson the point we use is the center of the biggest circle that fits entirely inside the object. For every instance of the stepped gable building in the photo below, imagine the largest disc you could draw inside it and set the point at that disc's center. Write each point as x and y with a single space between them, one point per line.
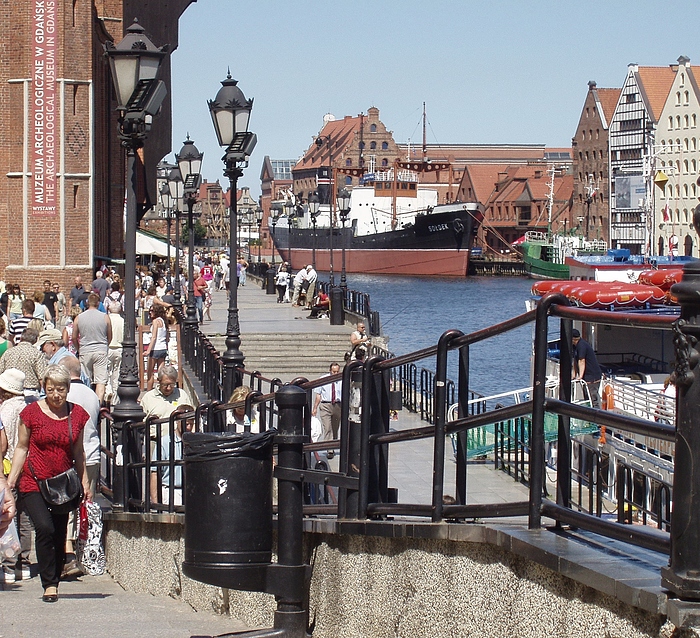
591 156
676 163
63 184
632 136
519 203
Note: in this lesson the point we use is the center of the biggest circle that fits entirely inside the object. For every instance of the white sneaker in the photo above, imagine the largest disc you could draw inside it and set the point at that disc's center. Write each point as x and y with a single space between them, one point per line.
26 572
7 576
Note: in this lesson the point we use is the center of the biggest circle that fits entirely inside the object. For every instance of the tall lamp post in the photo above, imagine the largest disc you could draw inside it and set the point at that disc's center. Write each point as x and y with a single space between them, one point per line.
319 142
230 113
344 208
165 203
313 212
134 65
259 218
176 188
276 213
189 162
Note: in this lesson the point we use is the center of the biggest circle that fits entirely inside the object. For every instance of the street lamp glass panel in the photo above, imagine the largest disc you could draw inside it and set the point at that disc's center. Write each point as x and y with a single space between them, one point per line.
189 159
134 58
176 185
289 207
344 201
313 205
230 111
259 215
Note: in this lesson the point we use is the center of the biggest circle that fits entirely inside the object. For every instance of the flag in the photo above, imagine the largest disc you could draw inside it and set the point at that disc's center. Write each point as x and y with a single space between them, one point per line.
665 213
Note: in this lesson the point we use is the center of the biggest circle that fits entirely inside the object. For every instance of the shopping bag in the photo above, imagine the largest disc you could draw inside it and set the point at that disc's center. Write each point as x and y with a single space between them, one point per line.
90 552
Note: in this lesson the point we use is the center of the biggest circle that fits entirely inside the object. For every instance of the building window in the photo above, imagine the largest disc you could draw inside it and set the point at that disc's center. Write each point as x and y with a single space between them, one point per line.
372 146
685 167
678 98
693 120
686 98
630 125
693 166
362 146
348 180
583 135
670 122
385 146
685 190
597 134
693 144
685 144
385 162
348 162
631 97
373 128
686 121
678 121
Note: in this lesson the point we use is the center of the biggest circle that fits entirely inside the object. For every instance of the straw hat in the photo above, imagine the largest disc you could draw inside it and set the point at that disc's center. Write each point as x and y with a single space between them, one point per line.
12 381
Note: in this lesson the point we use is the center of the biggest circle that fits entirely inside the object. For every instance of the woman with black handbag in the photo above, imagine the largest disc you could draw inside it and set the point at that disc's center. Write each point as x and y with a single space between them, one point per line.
50 456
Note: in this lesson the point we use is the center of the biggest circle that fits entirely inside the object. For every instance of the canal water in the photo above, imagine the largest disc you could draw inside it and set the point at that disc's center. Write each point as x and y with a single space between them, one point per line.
415 311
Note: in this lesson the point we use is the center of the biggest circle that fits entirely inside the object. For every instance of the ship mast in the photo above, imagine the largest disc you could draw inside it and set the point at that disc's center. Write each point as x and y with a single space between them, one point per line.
425 138
550 198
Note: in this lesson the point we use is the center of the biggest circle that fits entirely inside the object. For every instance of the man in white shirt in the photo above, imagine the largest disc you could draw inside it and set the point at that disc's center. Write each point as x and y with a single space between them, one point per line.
327 404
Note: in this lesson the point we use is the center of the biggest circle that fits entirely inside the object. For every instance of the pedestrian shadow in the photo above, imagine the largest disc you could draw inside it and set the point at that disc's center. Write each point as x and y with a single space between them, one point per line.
94 596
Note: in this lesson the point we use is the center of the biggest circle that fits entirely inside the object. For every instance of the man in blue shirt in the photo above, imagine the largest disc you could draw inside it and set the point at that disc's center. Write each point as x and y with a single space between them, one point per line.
586 366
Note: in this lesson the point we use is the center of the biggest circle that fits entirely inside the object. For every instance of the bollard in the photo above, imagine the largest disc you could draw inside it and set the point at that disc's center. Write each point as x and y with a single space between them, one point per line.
337 308
682 576
290 615
270 282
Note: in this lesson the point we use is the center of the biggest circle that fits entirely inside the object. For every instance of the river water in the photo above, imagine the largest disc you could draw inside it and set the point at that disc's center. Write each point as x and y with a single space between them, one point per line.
415 311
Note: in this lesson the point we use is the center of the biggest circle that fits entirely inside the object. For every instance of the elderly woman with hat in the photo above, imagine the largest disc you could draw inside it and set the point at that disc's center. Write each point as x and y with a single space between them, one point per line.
50 442
51 343
12 397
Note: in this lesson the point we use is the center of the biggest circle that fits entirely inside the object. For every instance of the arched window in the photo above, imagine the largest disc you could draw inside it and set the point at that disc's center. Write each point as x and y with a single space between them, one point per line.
385 162
597 133
678 121
688 245
685 190
362 146
693 120
373 128
685 143
685 215
678 98
685 167
686 98
678 191
348 162
385 146
662 244
694 189
693 144
686 121
583 135
348 180
670 122
693 166
372 146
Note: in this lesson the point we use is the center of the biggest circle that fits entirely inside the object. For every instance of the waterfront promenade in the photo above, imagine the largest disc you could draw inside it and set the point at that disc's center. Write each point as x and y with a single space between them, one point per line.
98 606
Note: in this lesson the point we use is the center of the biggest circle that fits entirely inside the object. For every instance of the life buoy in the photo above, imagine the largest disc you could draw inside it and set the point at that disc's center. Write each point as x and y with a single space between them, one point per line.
458 226
608 398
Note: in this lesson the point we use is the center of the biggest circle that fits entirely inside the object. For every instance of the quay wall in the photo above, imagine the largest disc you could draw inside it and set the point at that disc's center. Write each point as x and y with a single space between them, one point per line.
382 586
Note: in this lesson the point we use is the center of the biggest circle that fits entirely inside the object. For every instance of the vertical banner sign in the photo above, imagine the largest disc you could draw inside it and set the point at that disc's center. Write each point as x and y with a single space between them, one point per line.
43 109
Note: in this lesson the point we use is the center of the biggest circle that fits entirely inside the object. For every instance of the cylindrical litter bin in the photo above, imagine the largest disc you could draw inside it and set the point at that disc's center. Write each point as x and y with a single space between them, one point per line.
228 501
270 279
337 309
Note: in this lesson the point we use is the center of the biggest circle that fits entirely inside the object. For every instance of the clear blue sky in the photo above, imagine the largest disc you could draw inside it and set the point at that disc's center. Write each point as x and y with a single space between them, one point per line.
508 71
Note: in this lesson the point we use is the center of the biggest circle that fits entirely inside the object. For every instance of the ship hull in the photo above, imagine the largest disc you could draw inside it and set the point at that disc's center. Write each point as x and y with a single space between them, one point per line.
437 244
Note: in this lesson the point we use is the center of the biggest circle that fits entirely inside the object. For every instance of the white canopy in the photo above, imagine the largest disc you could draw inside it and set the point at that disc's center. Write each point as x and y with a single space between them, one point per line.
149 245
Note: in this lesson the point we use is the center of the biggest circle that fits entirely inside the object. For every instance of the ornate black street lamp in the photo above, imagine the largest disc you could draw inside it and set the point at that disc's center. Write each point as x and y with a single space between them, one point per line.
189 162
313 212
134 64
276 212
259 218
230 113
176 188
344 208
319 142
165 203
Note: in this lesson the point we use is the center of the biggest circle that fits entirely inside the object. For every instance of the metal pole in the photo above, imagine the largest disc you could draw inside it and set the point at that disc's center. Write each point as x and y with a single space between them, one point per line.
170 272
128 408
259 240
290 615
233 357
313 246
343 280
191 318
177 292
682 576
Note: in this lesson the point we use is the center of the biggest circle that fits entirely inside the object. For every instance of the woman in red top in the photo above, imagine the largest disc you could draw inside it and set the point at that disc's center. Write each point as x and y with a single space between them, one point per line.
44 438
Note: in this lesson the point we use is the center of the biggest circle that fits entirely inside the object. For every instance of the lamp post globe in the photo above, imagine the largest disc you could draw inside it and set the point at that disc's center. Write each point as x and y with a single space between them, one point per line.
189 163
176 187
230 113
344 209
134 64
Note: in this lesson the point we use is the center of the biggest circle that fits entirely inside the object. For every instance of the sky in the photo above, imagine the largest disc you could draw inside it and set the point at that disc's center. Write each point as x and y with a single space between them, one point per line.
503 71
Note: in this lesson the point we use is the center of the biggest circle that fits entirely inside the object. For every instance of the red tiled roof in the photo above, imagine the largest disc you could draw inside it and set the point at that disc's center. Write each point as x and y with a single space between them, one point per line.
483 178
656 82
608 101
341 133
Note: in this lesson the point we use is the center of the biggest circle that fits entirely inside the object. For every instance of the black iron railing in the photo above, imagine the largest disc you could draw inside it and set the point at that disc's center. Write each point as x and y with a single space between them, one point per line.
365 437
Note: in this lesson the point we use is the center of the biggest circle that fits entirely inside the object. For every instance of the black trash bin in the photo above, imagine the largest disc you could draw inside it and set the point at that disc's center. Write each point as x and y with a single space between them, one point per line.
228 507
270 281
337 309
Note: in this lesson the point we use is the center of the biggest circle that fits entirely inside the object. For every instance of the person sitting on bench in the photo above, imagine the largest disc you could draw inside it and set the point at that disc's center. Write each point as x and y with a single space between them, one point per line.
322 304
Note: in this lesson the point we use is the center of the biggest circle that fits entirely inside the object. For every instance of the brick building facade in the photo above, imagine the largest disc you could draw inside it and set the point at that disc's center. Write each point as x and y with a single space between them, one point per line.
61 164
591 170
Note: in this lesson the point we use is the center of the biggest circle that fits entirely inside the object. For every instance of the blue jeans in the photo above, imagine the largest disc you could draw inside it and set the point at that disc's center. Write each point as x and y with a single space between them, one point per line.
199 305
